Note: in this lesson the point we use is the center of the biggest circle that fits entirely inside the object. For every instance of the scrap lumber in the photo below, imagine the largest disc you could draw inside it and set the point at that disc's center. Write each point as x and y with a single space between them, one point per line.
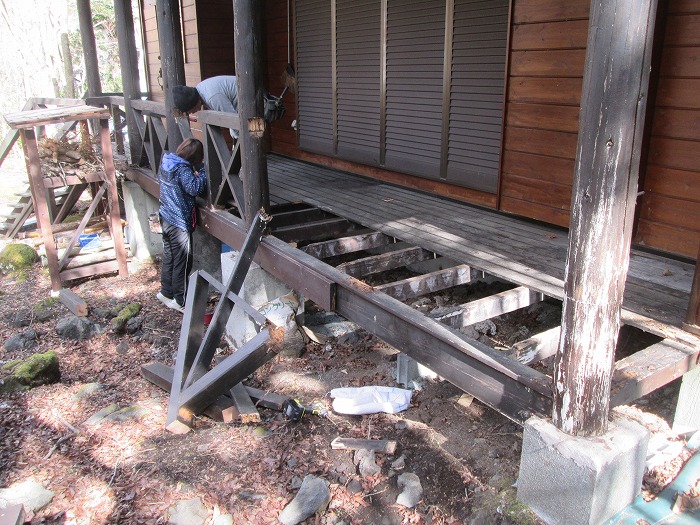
247 412
378 445
73 302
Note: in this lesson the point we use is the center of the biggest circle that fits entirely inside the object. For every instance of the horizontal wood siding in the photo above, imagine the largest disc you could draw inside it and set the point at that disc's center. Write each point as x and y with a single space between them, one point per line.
414 66
314 75
477 90
152 51
548 48
215 39
669 215
358 35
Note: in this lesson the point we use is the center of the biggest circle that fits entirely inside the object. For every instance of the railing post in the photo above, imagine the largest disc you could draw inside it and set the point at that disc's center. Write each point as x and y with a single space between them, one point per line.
247 42
128 60
172 62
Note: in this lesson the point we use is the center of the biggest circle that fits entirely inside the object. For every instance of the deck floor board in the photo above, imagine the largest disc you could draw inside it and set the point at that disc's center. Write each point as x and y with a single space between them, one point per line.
521 251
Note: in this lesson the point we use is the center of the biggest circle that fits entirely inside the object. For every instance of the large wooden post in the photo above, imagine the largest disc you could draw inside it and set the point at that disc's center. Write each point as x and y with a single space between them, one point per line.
692 319
172 61
613 106
247 31
128 61
87 35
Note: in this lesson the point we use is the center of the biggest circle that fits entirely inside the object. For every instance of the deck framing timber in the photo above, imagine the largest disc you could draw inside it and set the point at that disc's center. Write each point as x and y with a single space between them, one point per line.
502 380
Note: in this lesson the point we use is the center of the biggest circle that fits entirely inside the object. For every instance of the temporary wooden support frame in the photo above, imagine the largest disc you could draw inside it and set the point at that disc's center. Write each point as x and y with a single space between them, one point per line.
195 386
26 122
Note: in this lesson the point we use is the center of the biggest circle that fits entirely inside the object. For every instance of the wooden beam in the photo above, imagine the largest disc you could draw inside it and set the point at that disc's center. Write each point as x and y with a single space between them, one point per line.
312 231
296 217
73 302
172 62
692 319
491 306
611 128
537 347
385 261
649 369
129 64
161 375
323 250
87 36
247 412
420 285
384 446
248 40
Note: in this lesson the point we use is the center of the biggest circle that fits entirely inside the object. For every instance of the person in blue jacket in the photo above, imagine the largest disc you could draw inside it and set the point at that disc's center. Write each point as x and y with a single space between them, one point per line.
182 178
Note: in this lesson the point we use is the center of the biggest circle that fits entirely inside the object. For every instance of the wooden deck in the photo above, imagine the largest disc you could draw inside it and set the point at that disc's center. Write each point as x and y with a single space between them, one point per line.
519 251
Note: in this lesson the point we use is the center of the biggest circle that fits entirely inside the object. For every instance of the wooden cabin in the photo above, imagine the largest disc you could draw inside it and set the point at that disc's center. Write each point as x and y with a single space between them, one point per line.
502 132
468 133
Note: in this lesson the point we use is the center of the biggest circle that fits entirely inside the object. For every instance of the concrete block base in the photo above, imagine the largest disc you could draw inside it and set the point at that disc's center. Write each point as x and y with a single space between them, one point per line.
687 417
410 373
138 205
258 288
581 481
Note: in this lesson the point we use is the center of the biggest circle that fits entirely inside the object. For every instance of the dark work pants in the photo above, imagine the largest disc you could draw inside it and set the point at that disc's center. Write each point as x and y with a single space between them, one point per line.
177 261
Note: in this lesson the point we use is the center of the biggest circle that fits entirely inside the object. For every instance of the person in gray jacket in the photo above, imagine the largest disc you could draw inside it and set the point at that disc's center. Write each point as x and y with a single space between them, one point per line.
217 93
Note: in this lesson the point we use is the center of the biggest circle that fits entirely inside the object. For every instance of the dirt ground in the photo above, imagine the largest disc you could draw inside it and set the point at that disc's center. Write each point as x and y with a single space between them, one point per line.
132 471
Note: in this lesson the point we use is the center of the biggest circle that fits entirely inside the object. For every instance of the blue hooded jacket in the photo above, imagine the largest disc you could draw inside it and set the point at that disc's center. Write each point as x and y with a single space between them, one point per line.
179 185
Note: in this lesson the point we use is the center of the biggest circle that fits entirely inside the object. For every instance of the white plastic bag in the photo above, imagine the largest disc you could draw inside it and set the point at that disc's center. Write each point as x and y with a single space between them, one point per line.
370 400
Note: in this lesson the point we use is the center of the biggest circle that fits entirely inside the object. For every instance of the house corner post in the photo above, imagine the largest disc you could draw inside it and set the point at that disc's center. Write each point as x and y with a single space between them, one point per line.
128 60
611 127
561 457
87 36
250 74
172 62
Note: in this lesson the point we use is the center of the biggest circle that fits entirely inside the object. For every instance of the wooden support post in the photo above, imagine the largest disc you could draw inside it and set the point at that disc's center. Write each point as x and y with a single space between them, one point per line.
115 223
247 30
613 109
87 36
129 63
692 319
172 62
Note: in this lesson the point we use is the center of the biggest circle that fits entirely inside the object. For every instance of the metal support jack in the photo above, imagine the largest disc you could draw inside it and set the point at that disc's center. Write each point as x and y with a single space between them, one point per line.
195 386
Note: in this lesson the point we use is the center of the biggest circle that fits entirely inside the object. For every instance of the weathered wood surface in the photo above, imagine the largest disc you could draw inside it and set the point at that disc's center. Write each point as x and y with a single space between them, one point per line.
424 284
378 445
536 348
43 117
611 126
73 302
247 413
528 254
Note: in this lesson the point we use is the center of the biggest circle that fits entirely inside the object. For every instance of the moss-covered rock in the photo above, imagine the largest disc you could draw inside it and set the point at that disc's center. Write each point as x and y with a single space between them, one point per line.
126 313
39 369
17 256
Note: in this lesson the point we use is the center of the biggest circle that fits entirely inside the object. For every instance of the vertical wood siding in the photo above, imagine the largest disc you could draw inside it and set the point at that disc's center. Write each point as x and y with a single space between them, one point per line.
669 217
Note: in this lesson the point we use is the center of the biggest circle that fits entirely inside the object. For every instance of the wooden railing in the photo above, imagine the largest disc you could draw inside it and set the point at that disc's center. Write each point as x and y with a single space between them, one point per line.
222 161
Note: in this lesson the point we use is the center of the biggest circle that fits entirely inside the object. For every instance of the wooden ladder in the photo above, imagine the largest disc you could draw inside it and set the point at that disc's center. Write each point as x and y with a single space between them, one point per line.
21 211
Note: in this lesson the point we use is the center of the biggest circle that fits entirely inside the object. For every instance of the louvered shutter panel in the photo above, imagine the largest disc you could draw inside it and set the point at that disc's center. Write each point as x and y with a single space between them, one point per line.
358 41
476 107
414 78
314 75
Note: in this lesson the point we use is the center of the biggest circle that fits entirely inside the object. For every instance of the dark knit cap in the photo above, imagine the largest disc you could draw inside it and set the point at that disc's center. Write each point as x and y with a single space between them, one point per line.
185 98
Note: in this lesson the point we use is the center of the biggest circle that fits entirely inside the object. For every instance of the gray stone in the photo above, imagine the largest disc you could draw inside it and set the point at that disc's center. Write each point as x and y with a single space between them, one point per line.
568 479
127 414
31 494
122 347
77 328
487 327
99 416
188 512
313 496
88 390
22 318
366 463
224 519
399 463
133 325
296 483
412 489
22 341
